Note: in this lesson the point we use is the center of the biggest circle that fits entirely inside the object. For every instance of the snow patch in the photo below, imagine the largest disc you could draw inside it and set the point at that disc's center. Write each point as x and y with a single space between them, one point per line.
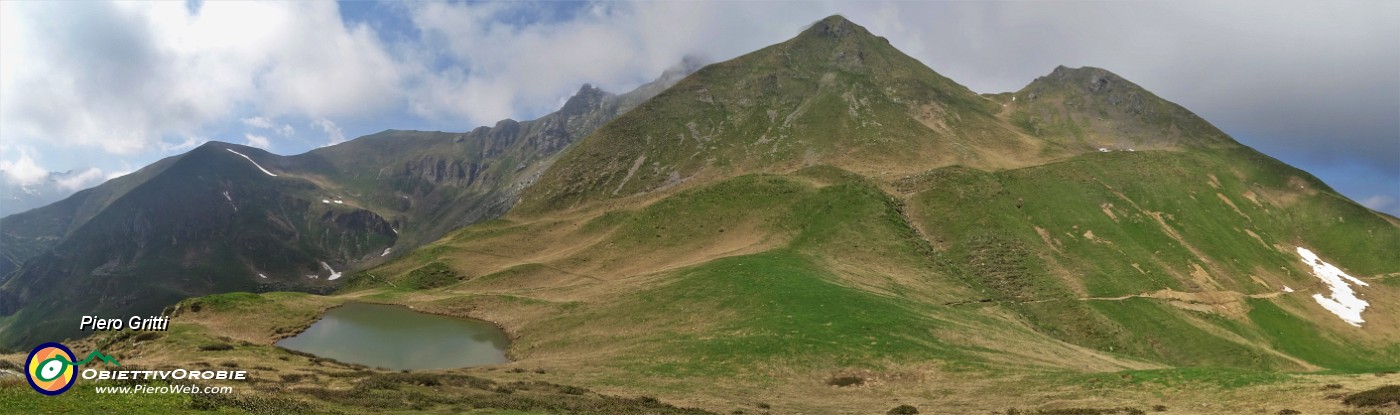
1104 150
396 231
250 160
339 202
1343 301
325 201
386 252
1287 289
334 274
262 276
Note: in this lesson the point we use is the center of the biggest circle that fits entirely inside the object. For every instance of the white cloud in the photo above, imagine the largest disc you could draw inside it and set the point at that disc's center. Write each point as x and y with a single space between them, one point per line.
73 182
123 77
512 69
128 78
332 131
183 145
23 169
119 173
257 122
258 141
266 124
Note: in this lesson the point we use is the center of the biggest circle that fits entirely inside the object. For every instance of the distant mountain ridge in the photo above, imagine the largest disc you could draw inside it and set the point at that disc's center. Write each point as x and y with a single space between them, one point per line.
225 217
836 94
19 197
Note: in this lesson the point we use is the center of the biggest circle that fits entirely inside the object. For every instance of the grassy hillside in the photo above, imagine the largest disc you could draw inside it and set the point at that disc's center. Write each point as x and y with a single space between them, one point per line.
823 291
826 249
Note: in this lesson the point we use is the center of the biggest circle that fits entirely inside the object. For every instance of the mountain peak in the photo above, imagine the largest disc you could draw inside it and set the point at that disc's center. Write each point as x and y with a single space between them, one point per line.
835 43
1110 111
835 26
835 94
688 65
586 99
1088 78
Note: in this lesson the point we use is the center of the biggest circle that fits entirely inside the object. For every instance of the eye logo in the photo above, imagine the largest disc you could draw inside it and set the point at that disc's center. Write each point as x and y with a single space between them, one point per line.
50 368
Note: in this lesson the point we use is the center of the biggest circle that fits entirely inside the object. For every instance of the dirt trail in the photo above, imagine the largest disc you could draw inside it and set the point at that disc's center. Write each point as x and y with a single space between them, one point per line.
1168 295
525 261
1207 296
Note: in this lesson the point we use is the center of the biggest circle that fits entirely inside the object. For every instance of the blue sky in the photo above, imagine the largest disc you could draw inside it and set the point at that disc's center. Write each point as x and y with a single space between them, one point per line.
105 88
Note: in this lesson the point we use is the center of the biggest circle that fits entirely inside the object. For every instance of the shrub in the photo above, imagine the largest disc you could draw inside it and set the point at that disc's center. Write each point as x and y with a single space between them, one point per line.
1289 412
433 275
843 381
216 347
252 404
349 374
147 336
391 381
1375 397
903 410
1086 411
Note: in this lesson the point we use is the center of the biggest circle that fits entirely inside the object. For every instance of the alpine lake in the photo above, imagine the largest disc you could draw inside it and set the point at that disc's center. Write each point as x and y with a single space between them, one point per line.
398 338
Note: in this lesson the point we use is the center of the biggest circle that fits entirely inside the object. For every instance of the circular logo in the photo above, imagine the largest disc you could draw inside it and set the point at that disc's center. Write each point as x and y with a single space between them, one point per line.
50 368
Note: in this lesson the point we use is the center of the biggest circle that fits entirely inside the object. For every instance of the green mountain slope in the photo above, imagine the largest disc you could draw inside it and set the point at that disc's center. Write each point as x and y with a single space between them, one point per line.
797 208
1168 256
834 95
25 235
212 221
